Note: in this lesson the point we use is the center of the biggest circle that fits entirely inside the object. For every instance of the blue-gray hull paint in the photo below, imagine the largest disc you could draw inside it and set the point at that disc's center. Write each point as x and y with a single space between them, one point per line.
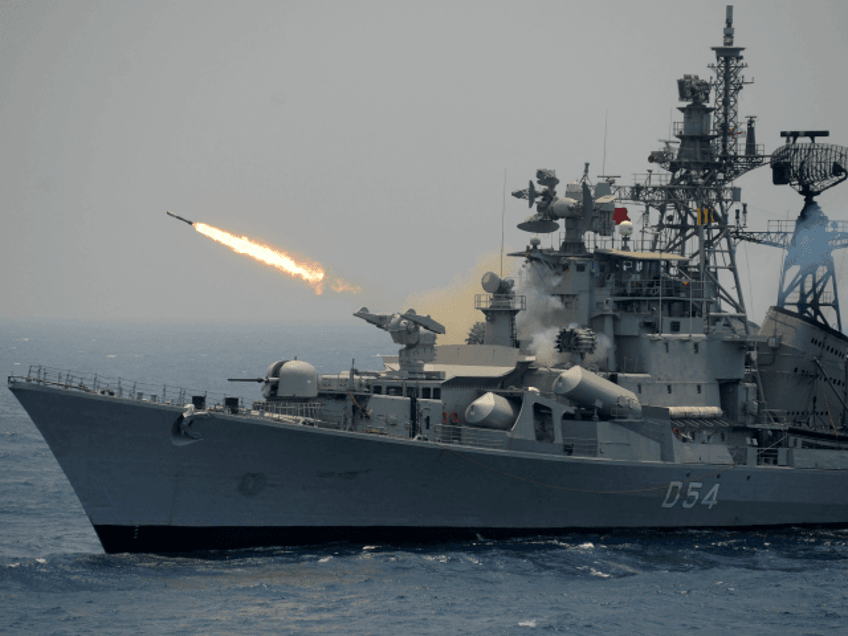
278 482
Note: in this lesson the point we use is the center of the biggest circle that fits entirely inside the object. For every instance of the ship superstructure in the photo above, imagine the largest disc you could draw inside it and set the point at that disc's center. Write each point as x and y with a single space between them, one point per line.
657 403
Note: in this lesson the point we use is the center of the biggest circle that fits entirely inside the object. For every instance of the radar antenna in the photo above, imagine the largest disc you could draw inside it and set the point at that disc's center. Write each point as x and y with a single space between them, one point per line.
808 277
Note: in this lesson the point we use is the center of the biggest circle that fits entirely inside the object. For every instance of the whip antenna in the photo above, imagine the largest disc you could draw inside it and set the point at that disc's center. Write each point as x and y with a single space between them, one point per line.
503 216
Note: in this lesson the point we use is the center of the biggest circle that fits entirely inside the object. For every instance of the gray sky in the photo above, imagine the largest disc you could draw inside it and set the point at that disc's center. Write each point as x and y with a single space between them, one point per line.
372 137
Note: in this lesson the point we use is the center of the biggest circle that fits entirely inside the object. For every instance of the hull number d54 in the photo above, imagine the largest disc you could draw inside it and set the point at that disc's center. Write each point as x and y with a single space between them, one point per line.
690 497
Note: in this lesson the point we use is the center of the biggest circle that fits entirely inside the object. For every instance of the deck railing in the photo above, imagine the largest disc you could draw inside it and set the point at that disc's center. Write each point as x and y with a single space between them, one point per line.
466 436
113 387
309 410
580 446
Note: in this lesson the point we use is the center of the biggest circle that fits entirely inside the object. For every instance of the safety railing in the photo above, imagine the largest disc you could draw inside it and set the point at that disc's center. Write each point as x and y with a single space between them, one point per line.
122 388
677 288
402 430
580 446
487 301
117 387
825 298
466 436
308 410
788 225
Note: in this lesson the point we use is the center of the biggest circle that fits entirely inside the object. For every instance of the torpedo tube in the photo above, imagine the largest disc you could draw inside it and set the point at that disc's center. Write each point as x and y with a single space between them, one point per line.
592 391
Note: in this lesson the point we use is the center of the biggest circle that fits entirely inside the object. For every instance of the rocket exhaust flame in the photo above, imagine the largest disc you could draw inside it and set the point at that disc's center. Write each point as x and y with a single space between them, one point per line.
311 273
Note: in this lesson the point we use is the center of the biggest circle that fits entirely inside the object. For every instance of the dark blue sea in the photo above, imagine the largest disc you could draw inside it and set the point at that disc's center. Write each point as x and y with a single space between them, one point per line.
55 578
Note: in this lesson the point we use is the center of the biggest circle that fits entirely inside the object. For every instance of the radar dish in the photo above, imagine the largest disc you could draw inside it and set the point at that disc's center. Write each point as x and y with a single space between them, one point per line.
491 282
538 225
810 168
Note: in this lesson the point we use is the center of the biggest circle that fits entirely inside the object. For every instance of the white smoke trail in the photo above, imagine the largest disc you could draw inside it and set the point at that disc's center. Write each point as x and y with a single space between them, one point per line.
811 248
599 356
545 315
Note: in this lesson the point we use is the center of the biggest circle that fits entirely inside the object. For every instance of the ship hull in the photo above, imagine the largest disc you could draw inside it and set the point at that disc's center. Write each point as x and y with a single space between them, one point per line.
253 482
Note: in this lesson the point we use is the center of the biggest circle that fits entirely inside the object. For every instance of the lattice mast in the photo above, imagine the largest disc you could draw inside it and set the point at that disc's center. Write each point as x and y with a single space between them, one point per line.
695 200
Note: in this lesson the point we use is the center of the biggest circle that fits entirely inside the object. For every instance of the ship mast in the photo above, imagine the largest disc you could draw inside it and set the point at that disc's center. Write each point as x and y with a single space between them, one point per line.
694 201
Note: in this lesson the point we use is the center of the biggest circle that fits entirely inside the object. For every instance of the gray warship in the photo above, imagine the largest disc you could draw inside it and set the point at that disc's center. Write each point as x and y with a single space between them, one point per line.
657 403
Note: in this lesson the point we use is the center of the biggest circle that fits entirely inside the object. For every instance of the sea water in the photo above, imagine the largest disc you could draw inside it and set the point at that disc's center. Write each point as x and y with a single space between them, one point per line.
55 578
